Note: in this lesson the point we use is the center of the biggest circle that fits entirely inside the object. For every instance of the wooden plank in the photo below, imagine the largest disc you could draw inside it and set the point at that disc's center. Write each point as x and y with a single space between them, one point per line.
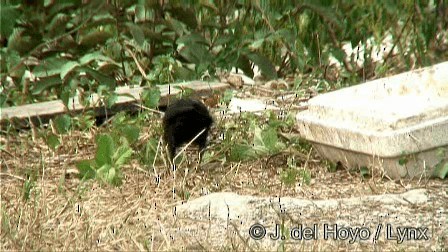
44 110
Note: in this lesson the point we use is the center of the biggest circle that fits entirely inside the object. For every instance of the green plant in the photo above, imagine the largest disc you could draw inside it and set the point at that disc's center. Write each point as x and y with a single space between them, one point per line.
226 97
292 173
29 184
110 156
148 153
404 158
364 171
55 49
63 123
241 152
6 220
264 139
84 121
52 140
441 168
113 151
331 166
151 97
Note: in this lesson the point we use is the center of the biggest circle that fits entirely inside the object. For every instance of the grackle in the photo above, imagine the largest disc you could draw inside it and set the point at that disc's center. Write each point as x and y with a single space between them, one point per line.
184 120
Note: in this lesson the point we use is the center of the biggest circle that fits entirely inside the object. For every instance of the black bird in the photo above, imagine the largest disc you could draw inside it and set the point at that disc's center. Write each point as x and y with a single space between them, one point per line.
183 120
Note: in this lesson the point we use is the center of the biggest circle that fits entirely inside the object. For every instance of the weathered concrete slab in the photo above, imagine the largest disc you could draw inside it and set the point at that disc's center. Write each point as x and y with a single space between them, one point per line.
396 124
231 206
269 223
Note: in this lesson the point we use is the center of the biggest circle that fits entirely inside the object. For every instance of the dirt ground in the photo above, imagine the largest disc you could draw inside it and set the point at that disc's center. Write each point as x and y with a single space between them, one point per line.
64 213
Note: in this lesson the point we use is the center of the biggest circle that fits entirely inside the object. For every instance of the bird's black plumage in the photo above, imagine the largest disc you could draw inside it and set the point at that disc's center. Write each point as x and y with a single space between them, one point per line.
183 120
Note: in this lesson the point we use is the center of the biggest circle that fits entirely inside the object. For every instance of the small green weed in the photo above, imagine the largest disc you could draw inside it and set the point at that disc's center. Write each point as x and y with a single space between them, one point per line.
110 156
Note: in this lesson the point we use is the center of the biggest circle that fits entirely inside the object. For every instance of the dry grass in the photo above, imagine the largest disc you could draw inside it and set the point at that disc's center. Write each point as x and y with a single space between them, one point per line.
63 213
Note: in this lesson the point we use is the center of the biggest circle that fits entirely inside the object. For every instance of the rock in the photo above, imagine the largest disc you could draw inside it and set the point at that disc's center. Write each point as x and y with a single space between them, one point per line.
219 219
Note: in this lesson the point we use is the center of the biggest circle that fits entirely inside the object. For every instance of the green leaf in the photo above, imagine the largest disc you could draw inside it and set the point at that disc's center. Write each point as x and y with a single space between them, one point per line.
27 186
3 99
9 60
257 44
111 99
259 145
176 26
186 15
331 167
131 133
151 97
287 35
20 41
110 177
137 33
289 176
85 169
338 54
95 56
185 92
105 150
192 38
403 160
227 96
245 65
441 169
85 121
94 38
142 13
68 68
441 152
53 141
241 152
102 79
149 151
114 176
270 139
365 172
196 53
264 63
183 74
122 155
66 93
50 67
63 123
8 17
223 39
266 141
306 176
45 84
57 25
103 172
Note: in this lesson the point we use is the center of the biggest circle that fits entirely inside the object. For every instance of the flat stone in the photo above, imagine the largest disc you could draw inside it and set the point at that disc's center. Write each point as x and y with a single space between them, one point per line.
219 219
228 205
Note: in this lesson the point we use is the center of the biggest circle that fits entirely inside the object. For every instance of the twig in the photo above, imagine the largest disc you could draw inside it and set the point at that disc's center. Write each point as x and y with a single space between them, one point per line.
162 231
149 109
137 63
307 159
188 144
13 176
7 152
397 40
240 236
